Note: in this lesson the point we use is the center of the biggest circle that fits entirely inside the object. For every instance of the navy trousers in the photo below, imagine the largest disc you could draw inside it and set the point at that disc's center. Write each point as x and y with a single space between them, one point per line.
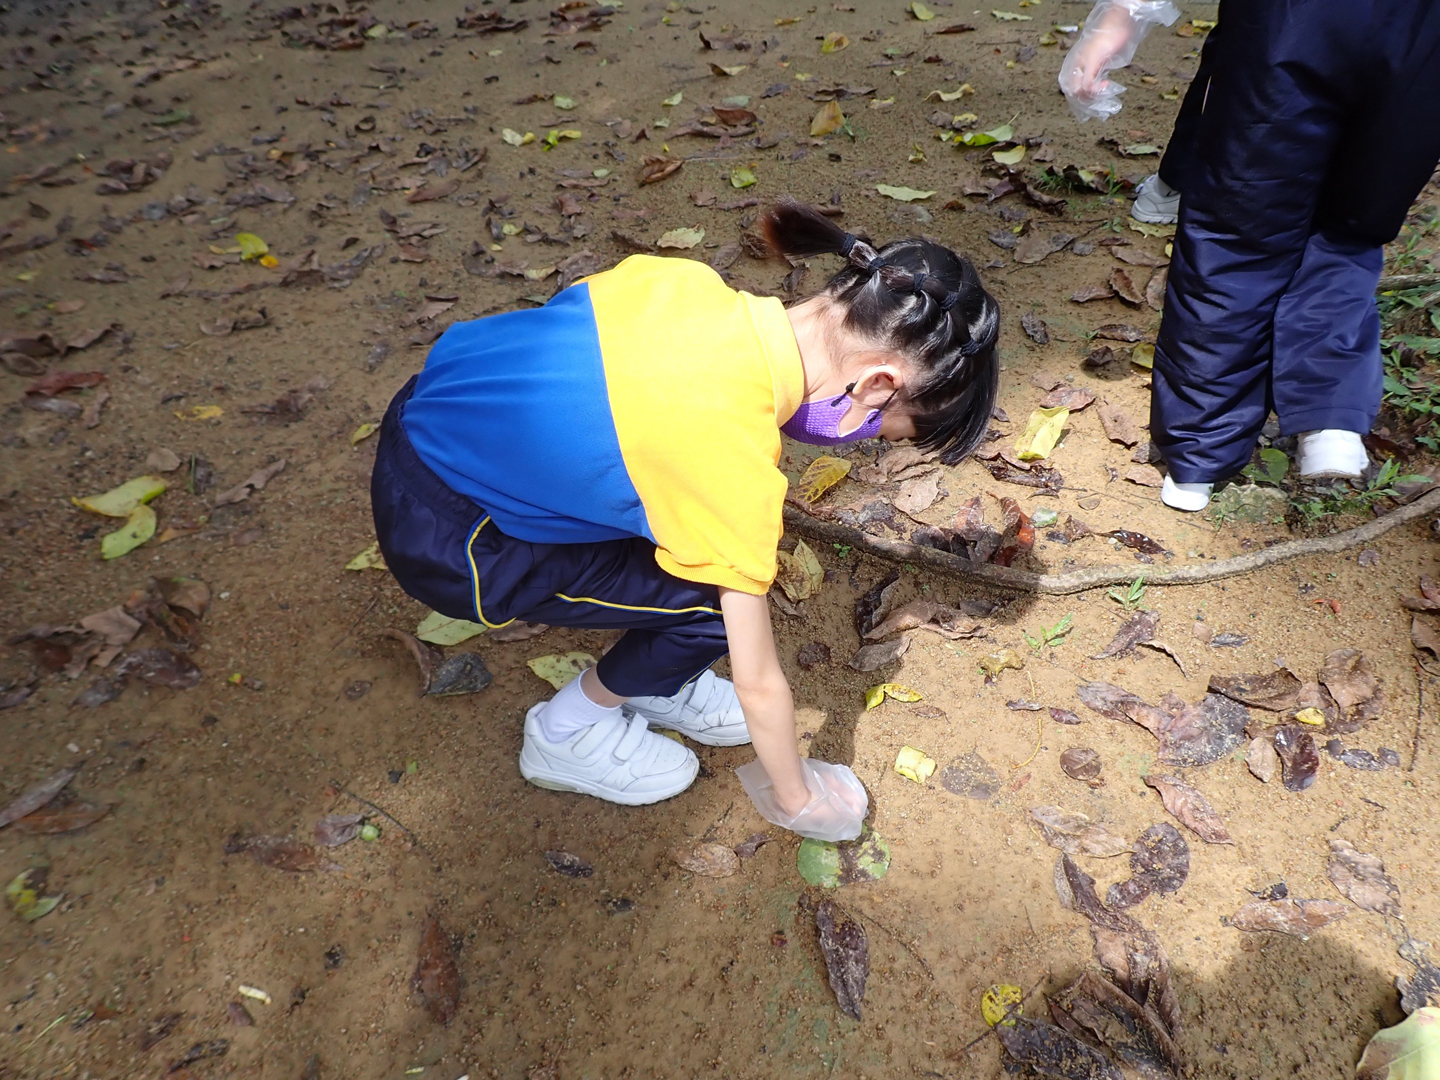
1299 149
447 553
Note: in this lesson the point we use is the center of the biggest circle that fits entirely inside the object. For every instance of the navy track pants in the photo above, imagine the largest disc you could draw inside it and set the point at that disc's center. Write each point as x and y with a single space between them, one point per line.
1300 147
447 553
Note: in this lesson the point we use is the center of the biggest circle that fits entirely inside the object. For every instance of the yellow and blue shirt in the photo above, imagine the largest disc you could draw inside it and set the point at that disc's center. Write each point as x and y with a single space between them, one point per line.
643 401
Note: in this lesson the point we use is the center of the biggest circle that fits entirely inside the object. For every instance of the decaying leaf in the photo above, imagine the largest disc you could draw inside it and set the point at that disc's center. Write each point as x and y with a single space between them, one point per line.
813 655
1361 878
1190 808
1129 1027
874 657
1349 677
1277 691
1161 863
437 977
706 859
559 668
847 955
1126 286
800 574
1298 918
1139 628
1082 763
927 615
252 483
1074 398
1137 542
571 866
846 862
463 673
36 797
1076 834
1299 757
654 169
914 764
1052 1051
1035 328
876 695
1262 760
972 777
55 818
336 829
747 848
820 476
440 629
159 667
24 894
279 852
1064 716
828 120
1408 1051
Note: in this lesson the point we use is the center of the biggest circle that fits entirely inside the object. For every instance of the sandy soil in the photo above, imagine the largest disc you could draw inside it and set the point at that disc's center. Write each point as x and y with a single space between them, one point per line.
641 970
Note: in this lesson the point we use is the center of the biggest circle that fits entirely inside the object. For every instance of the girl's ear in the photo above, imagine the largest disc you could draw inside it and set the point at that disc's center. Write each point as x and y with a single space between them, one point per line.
877 383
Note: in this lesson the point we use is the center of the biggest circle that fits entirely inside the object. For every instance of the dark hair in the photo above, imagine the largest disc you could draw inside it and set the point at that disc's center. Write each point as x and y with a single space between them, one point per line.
920 300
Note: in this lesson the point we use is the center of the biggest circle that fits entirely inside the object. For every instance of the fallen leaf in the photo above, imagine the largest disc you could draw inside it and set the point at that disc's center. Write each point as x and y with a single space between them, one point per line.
1349 677
918 494
440 629
57 382
1013 156
36 797
1083 764
874 657
820 476
159 667
1423 636
1361 879
1277 691
1299 758
363 432
902 194
1408 1051
1119 428
654 169
200 412
1139 628
831 864
437 977
251 246
1035 328
813 655
436 189
914 764
1076 834
1155 289
1190 807
1042 431
1145 476
1137 541
1262 760
159 1029
1074 398
681 239
1161 863
875 695
369 559
971 777
921 12
1086 293
1044 1048
1298 918
138 528
747 848
337 829
800 574
571 866
927 615
847 956
1064 716
464 673
256 481
23 893
294 856
99 692
1036 247
560 668
162 460
518 630
1000 660
874 605
1126 287
833 42
706 859
119 502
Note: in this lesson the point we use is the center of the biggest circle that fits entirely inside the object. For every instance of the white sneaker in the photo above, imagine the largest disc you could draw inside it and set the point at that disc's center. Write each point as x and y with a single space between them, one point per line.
1156 202
707 711
619 760
1187 497
1332 454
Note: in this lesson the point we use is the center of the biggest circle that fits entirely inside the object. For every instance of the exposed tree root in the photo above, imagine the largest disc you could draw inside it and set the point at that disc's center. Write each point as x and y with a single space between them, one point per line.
1095 577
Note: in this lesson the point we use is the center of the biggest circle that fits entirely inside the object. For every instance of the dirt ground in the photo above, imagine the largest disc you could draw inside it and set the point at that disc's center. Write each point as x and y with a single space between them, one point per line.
641 970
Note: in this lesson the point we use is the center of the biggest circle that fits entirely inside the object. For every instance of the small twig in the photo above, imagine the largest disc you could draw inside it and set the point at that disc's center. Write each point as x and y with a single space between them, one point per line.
1419 716
907 946
1074 581
1039 738
49 1027
1397 282
388 817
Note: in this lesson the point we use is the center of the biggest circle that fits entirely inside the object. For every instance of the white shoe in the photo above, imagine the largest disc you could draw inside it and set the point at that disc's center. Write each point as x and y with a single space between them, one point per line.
707 711
1332 454
1156 202
619 760
1187 497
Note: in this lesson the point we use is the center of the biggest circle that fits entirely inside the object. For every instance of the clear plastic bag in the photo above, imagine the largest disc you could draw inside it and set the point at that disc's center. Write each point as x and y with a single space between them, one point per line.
838 803
1112 33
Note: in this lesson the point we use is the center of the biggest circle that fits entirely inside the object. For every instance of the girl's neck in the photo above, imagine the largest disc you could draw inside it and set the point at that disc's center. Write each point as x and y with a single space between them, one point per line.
812 322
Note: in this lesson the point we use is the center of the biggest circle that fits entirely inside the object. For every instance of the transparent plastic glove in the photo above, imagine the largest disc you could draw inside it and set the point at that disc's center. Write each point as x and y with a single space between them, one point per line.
838 803
1112 33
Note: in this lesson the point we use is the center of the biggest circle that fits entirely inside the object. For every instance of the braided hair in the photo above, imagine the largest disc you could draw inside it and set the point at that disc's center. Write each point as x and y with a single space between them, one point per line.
918 299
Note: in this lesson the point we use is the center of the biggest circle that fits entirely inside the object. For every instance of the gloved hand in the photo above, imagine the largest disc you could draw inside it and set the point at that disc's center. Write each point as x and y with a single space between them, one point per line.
1112 33
838 803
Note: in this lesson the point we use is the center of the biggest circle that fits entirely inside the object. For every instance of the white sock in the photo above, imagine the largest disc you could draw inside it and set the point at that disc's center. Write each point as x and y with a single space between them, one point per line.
570 712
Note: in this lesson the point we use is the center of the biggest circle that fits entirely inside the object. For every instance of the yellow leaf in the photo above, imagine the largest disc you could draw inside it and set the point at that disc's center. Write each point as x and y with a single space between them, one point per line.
1001 1004
728 69
560 668
950 95
681 239
1042 432
921 12
1001 659
675 98
834 42
1143 355
828 120
917 154
251 246
786 22
137 529
876 694
514 138
1013 156
369 559
363 432
914 764
800 574
269 262
1203 24
118 502
199 412
1311 716
443 630
820 476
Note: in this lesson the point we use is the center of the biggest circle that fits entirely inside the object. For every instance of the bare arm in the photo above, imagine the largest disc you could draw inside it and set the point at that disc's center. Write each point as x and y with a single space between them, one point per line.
764 694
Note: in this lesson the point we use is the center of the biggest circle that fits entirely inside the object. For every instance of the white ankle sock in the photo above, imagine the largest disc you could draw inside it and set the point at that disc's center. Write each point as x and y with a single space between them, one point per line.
569 712
1187 497
1332 452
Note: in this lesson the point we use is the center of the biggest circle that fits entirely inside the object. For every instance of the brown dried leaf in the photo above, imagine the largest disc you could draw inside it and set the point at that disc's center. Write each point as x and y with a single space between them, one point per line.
436 189
1140 628
1082 763
747 848
1073 398
813 655
874 657
1076 834
1134 256
1052 1051
1161 863
1361 878
873 607
337 829
1191 808
971 777
927 615
72 817
918 494
294 856
1086 293
1145 476
1262 760
1109 700
1298 918
437 977
654 168
1119 428
1126 287
706 859
1035 328
1155 289
1299 758
1349 677
1277 691
256 481
160 667
59 381
1423 636
847 955
1195 735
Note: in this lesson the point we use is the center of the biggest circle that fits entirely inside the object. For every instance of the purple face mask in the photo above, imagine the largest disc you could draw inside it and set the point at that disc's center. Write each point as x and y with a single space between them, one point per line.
818 422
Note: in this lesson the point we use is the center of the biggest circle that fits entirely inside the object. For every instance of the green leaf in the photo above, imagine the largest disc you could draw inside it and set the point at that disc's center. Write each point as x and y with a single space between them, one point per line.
560 101
921 12
560 668
1408 1051
1012 156
137 529
903 194
675 98
369 559
1009 16
742 177
1139 150
682 239
118 502
1003 133
849 862
174 116
443 630
251 246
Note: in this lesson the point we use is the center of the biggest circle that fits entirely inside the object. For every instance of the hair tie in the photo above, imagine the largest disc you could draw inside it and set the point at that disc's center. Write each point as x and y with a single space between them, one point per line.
949 301
847 245
875 264
917 282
